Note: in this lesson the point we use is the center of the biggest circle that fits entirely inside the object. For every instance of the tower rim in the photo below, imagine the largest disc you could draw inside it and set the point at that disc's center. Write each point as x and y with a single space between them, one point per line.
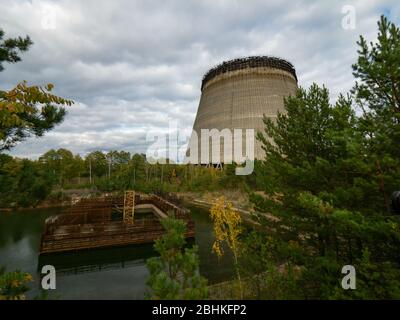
247 63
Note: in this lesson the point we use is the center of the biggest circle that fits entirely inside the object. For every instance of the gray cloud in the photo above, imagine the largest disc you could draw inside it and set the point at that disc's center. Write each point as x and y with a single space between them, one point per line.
133 65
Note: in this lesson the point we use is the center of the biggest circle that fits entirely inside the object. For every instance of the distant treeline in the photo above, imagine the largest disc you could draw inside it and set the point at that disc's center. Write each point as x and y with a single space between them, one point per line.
25 182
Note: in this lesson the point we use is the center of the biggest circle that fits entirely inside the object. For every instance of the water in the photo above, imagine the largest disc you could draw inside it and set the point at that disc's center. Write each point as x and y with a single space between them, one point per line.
114 273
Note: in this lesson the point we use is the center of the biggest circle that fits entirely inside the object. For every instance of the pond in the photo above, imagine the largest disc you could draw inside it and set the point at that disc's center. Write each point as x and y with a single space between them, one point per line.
113 273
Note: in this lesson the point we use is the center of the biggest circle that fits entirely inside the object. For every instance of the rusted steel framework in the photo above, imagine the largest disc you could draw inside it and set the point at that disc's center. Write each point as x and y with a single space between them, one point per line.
129 206
88 225
249 62
97 210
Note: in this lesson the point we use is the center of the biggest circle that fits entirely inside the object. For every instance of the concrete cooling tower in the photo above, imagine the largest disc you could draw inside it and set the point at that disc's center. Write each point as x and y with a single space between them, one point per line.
235 95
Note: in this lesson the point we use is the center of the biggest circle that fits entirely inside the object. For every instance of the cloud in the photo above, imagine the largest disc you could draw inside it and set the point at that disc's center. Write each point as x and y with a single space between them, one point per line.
133 65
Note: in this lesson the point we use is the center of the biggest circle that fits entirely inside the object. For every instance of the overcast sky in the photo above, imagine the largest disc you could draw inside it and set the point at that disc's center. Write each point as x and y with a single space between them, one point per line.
131 66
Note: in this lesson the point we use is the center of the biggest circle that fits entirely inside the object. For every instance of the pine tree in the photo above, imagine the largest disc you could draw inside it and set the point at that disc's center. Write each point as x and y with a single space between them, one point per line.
9 48
377 94
175 274
328 176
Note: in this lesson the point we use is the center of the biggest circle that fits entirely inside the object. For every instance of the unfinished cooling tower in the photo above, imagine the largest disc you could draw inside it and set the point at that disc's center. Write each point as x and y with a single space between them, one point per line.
235 95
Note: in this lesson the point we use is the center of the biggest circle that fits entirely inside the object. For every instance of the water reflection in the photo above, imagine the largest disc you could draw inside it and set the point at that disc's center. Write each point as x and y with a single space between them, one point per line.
98 259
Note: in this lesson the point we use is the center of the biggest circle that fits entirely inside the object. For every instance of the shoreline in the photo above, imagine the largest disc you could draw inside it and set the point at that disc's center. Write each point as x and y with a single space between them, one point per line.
186 199
244 214
40 206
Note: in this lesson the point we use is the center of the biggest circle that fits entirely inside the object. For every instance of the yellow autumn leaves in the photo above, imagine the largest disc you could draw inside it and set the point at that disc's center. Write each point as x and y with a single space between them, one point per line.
23 99
227 227
13 285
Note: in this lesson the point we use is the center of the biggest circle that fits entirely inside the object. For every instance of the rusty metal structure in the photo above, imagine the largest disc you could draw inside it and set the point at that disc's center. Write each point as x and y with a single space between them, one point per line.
236 95
90 224
129 206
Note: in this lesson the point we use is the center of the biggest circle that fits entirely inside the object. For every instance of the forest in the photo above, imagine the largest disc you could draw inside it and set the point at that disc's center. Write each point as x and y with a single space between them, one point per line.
28 183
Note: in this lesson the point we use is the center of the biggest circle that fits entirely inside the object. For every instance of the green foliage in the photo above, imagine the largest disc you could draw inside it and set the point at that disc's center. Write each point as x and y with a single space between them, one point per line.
9 48
26 110
377 94
378 72
13 285
23 182
60 169
327 178
136 173
62 165
175 274
96 161
374 281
